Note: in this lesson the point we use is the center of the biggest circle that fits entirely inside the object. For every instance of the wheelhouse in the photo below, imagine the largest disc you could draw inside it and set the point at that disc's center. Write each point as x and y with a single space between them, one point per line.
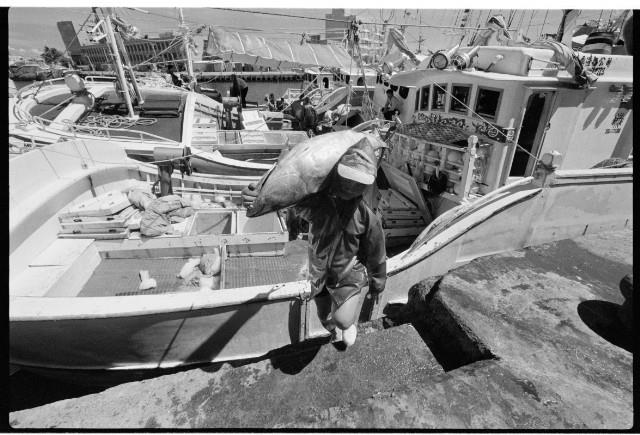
519 104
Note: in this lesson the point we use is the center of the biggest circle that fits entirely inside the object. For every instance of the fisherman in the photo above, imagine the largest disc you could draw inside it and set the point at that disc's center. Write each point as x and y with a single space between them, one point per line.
280 104
309 117
347 243
272 102
391 106
175 77
239 88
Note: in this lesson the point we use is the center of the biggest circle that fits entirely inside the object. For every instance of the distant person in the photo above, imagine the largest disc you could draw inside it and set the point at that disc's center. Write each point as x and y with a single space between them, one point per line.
271 103
280 104
239 88
391 106
309 117
175 77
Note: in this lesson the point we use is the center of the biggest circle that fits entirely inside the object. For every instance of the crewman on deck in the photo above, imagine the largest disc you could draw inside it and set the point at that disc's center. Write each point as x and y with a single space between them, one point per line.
176 80
239 88
391 106
347 248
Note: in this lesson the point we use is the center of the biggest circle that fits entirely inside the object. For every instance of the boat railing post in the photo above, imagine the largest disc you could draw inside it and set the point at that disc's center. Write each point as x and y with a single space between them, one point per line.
546 168
469 165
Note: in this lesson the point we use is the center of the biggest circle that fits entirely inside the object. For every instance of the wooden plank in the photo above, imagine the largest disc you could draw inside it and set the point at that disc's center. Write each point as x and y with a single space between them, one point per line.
61 252
103 205
146 247
402 232
99 236
399 214
406 184
98 226
120 217
403 223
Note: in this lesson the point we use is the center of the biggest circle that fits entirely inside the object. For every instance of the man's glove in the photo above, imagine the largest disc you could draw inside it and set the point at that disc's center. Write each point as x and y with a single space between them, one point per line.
249 194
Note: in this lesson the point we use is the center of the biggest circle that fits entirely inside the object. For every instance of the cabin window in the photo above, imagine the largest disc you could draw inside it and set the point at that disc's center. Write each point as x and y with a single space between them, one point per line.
325 82
487 102
460 98
439 97
360 82
424 103
417 105
403 92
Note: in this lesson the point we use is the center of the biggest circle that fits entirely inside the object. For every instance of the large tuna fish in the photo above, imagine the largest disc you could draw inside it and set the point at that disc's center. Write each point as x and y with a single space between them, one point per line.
304 169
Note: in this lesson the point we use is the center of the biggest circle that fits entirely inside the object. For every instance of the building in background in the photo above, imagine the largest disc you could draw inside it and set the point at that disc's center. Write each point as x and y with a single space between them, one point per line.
336 25
164 49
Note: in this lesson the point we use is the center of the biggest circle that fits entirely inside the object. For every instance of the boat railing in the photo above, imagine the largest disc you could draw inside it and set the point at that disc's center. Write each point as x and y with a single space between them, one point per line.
73 131
34 88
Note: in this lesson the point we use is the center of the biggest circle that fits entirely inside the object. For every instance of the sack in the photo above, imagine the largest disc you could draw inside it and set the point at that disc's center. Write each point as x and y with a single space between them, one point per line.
304 170
155 219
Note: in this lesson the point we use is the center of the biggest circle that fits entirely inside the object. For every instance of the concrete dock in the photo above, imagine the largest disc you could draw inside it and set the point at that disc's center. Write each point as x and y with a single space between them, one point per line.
530 339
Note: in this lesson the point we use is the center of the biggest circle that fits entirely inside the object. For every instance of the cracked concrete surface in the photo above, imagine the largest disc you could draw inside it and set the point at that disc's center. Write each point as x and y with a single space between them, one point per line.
561 363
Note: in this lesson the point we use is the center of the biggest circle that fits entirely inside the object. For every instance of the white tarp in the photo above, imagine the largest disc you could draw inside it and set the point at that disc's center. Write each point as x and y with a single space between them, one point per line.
255 50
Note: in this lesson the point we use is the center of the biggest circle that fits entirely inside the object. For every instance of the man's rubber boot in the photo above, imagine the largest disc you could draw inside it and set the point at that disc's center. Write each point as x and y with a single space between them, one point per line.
349 335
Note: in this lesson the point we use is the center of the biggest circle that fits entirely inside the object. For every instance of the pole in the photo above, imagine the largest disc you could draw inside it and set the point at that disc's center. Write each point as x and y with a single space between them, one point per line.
118 63
185 41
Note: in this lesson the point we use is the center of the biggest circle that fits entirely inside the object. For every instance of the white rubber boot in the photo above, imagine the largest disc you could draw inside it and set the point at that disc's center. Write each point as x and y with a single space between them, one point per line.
349 335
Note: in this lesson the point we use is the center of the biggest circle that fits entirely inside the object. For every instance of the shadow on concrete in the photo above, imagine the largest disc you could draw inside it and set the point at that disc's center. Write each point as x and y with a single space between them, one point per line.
603 319
28 390
452 343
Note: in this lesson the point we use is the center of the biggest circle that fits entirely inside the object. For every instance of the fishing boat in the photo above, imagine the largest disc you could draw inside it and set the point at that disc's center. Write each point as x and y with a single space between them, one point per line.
452 187
520 103
75 301
141 115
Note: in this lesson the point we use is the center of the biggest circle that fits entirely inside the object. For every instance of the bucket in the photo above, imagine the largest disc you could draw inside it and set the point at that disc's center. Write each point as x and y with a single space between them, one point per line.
598 43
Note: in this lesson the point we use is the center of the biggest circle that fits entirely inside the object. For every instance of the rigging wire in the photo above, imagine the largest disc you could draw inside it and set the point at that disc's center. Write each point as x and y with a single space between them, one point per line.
544 22
530 18
345 21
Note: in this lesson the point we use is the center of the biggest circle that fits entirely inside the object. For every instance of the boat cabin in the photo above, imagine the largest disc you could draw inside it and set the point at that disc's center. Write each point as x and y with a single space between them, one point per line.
511 107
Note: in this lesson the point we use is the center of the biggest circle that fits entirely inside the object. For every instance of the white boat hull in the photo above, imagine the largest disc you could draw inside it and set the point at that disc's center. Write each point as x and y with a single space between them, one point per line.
174 329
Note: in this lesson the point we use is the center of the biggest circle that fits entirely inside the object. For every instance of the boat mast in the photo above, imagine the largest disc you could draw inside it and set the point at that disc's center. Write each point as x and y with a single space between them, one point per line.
118 62
185 41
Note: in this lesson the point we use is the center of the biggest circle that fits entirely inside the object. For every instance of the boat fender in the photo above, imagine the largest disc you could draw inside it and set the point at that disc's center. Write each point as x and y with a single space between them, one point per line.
210 263
188 268
146 282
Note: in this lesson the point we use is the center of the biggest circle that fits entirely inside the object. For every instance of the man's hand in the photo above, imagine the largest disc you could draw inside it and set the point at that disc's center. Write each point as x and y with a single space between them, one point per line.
249 194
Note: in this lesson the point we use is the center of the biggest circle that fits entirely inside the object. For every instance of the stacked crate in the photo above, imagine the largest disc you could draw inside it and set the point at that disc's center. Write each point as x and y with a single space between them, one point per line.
108 216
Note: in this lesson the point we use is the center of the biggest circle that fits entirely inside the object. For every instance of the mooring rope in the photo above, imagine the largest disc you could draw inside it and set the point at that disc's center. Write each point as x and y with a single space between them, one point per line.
114 121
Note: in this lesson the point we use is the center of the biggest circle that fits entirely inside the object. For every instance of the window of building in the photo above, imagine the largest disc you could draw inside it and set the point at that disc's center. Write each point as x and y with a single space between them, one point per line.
487 102
424 101
460 98
439 97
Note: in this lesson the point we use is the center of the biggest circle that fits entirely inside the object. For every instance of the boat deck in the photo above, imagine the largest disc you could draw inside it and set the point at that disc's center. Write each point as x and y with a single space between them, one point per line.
120 277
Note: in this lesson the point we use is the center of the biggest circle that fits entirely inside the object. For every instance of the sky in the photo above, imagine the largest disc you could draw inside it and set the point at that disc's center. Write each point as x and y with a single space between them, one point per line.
32 28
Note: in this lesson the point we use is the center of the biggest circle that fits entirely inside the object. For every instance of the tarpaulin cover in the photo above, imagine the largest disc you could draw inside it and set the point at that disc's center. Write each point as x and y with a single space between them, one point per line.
155 219
256 50
303 171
